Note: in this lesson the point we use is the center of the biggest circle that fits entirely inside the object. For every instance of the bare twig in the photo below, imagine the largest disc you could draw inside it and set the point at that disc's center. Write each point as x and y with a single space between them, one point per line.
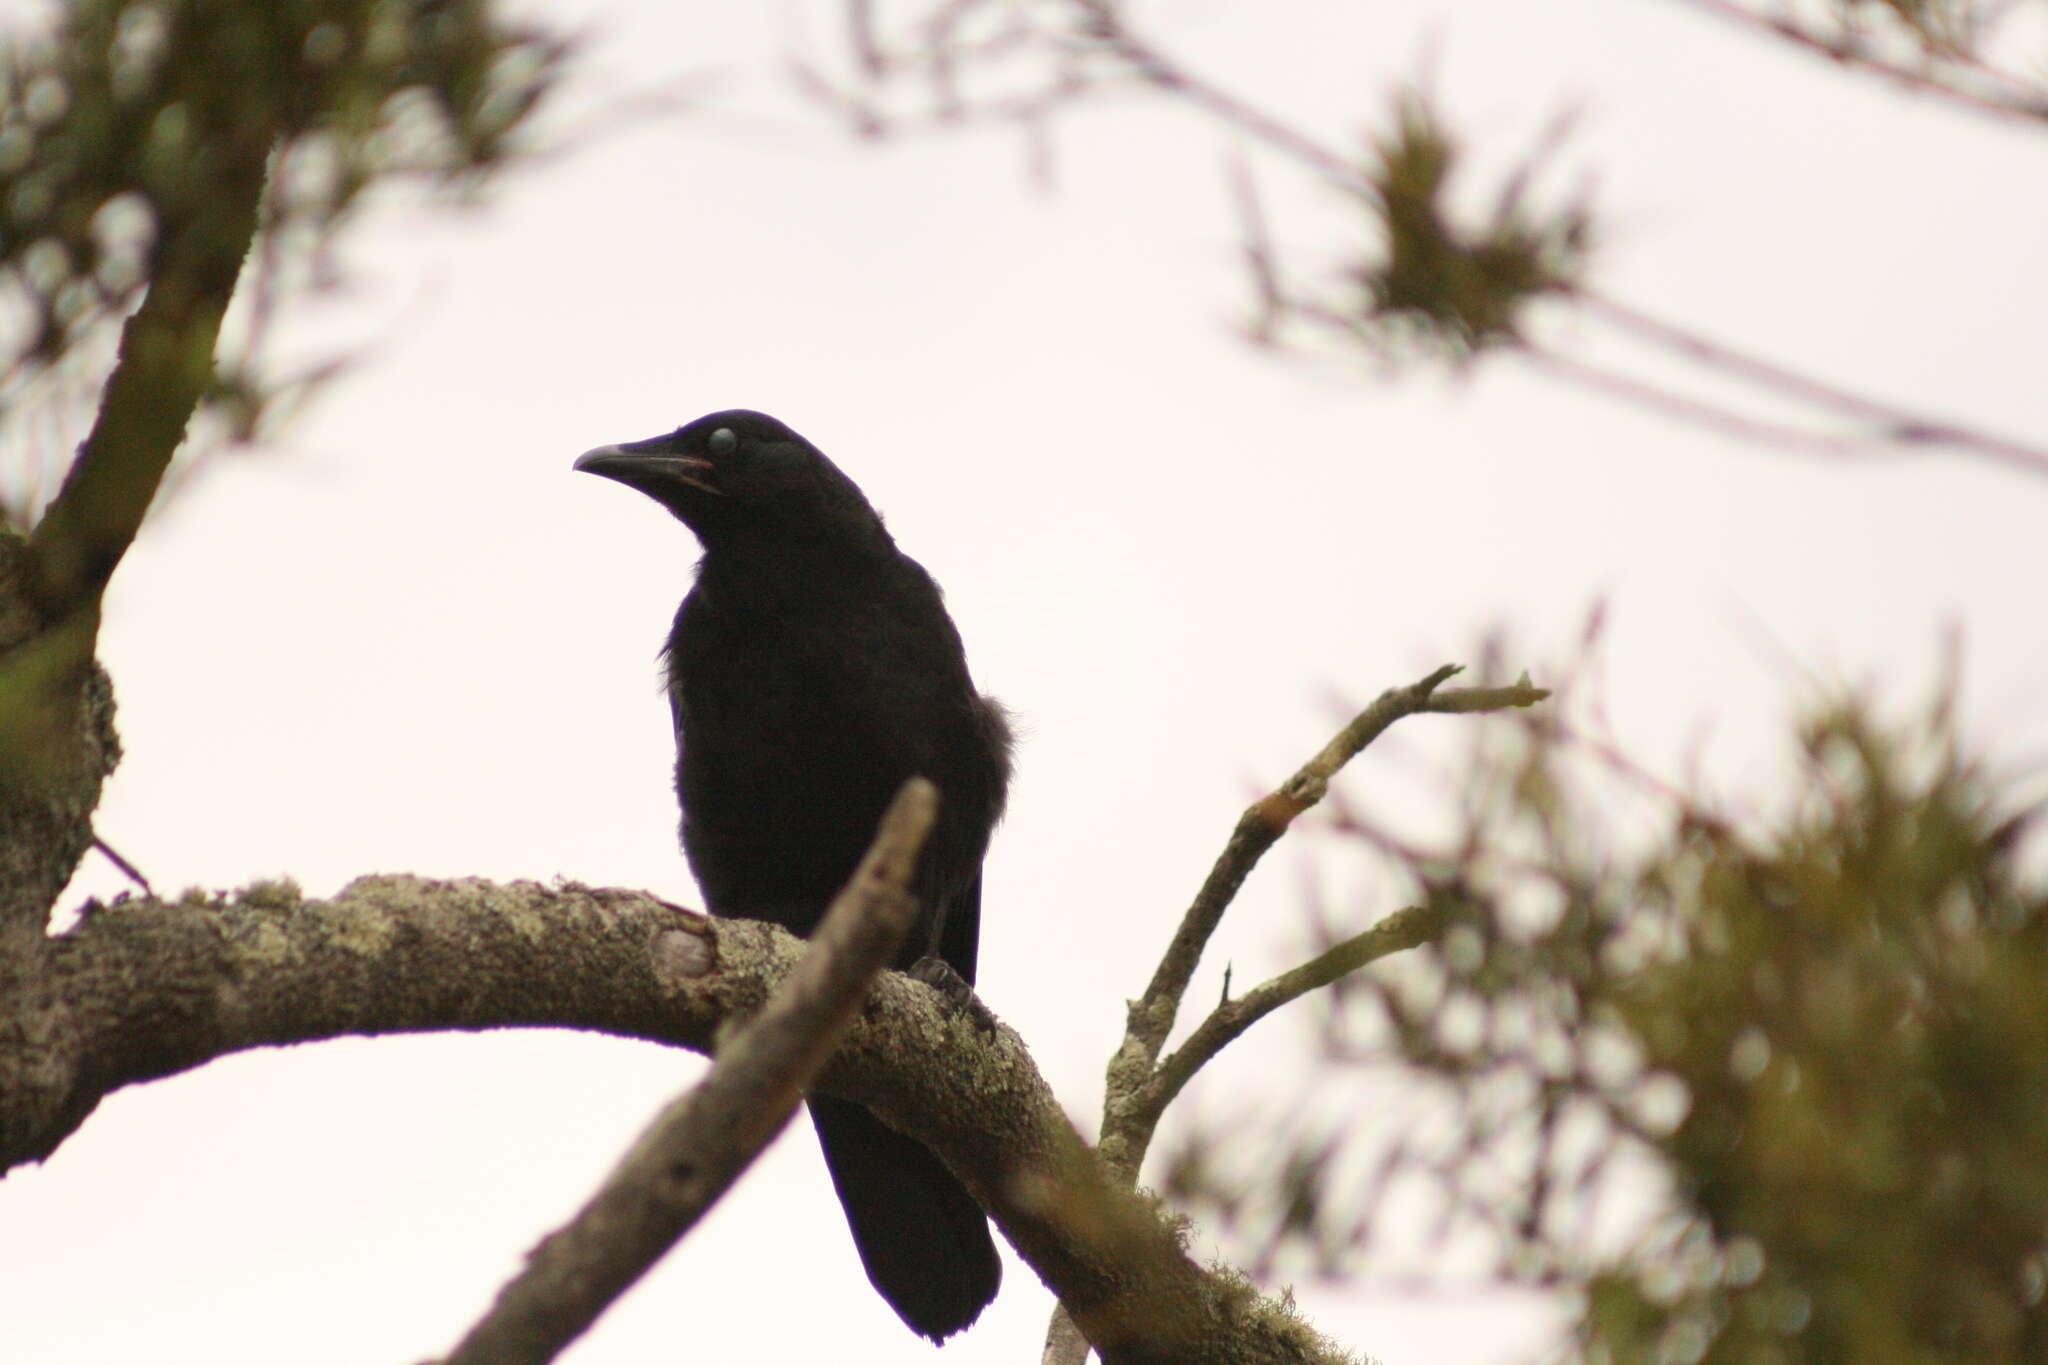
699 1144
128 869
1258 829
1710 416
1401 930
1064 1345
1888 424
1156 69
1137 1094
1260 261
1868 430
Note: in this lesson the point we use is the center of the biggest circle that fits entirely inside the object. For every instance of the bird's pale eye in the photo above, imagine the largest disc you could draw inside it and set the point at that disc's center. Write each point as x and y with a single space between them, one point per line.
722 441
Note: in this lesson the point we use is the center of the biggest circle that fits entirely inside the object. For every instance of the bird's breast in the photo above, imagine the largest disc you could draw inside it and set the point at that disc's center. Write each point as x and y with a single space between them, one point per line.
793 735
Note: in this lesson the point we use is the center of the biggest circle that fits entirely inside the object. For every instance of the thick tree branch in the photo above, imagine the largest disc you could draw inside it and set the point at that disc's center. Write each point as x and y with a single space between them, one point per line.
165 363
697 1146
143 989
56 730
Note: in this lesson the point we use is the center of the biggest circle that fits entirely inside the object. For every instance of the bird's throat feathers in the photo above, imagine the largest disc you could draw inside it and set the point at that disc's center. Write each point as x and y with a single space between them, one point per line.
810 559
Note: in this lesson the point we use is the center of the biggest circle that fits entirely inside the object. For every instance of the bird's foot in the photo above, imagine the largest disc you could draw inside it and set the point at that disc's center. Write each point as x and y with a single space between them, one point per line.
938 973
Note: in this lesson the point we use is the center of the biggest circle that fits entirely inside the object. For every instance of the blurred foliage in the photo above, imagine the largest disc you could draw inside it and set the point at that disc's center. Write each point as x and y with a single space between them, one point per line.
124 121
1428 278
1942 28
1771 1091
1984 55
1442 285
1451 252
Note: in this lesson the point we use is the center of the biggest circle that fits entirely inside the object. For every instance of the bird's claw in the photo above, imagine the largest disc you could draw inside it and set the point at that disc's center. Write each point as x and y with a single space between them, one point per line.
938 973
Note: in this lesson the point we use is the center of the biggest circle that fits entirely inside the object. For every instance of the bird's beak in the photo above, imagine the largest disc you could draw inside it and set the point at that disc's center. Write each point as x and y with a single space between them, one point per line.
643 465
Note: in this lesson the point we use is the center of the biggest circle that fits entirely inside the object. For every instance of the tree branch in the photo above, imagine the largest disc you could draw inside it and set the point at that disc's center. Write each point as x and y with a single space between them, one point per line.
165 363
1403 929
143 989
1152 1016
1886 423
1710 416
698 1145
56 730
1139 1088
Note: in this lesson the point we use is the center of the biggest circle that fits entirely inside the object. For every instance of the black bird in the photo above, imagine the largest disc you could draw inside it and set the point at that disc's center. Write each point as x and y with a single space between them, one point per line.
811 670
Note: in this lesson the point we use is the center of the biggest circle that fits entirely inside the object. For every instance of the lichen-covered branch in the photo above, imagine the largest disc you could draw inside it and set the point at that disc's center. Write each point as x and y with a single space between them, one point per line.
143 989
56 735
55 710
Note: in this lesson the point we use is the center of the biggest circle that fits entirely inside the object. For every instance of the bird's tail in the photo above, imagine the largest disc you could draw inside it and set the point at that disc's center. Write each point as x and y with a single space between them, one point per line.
923 1239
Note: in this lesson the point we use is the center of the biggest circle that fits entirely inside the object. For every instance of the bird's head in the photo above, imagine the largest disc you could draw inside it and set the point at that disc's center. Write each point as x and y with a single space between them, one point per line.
740 477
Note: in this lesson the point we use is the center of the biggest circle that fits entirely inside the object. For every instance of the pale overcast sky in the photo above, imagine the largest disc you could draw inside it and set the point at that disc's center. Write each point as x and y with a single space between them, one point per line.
410 639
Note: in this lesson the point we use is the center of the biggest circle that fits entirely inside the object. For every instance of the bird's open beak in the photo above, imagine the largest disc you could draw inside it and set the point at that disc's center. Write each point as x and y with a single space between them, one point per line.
648 470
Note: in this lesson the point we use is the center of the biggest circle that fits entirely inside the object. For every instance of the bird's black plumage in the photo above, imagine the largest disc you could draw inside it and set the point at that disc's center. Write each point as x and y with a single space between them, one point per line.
811 669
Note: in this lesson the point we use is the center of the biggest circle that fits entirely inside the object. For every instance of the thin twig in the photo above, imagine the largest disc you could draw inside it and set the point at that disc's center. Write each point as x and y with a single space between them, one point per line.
1157 70
1261 261
1399 931
127 868
698 1145
1713 417
1891 424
